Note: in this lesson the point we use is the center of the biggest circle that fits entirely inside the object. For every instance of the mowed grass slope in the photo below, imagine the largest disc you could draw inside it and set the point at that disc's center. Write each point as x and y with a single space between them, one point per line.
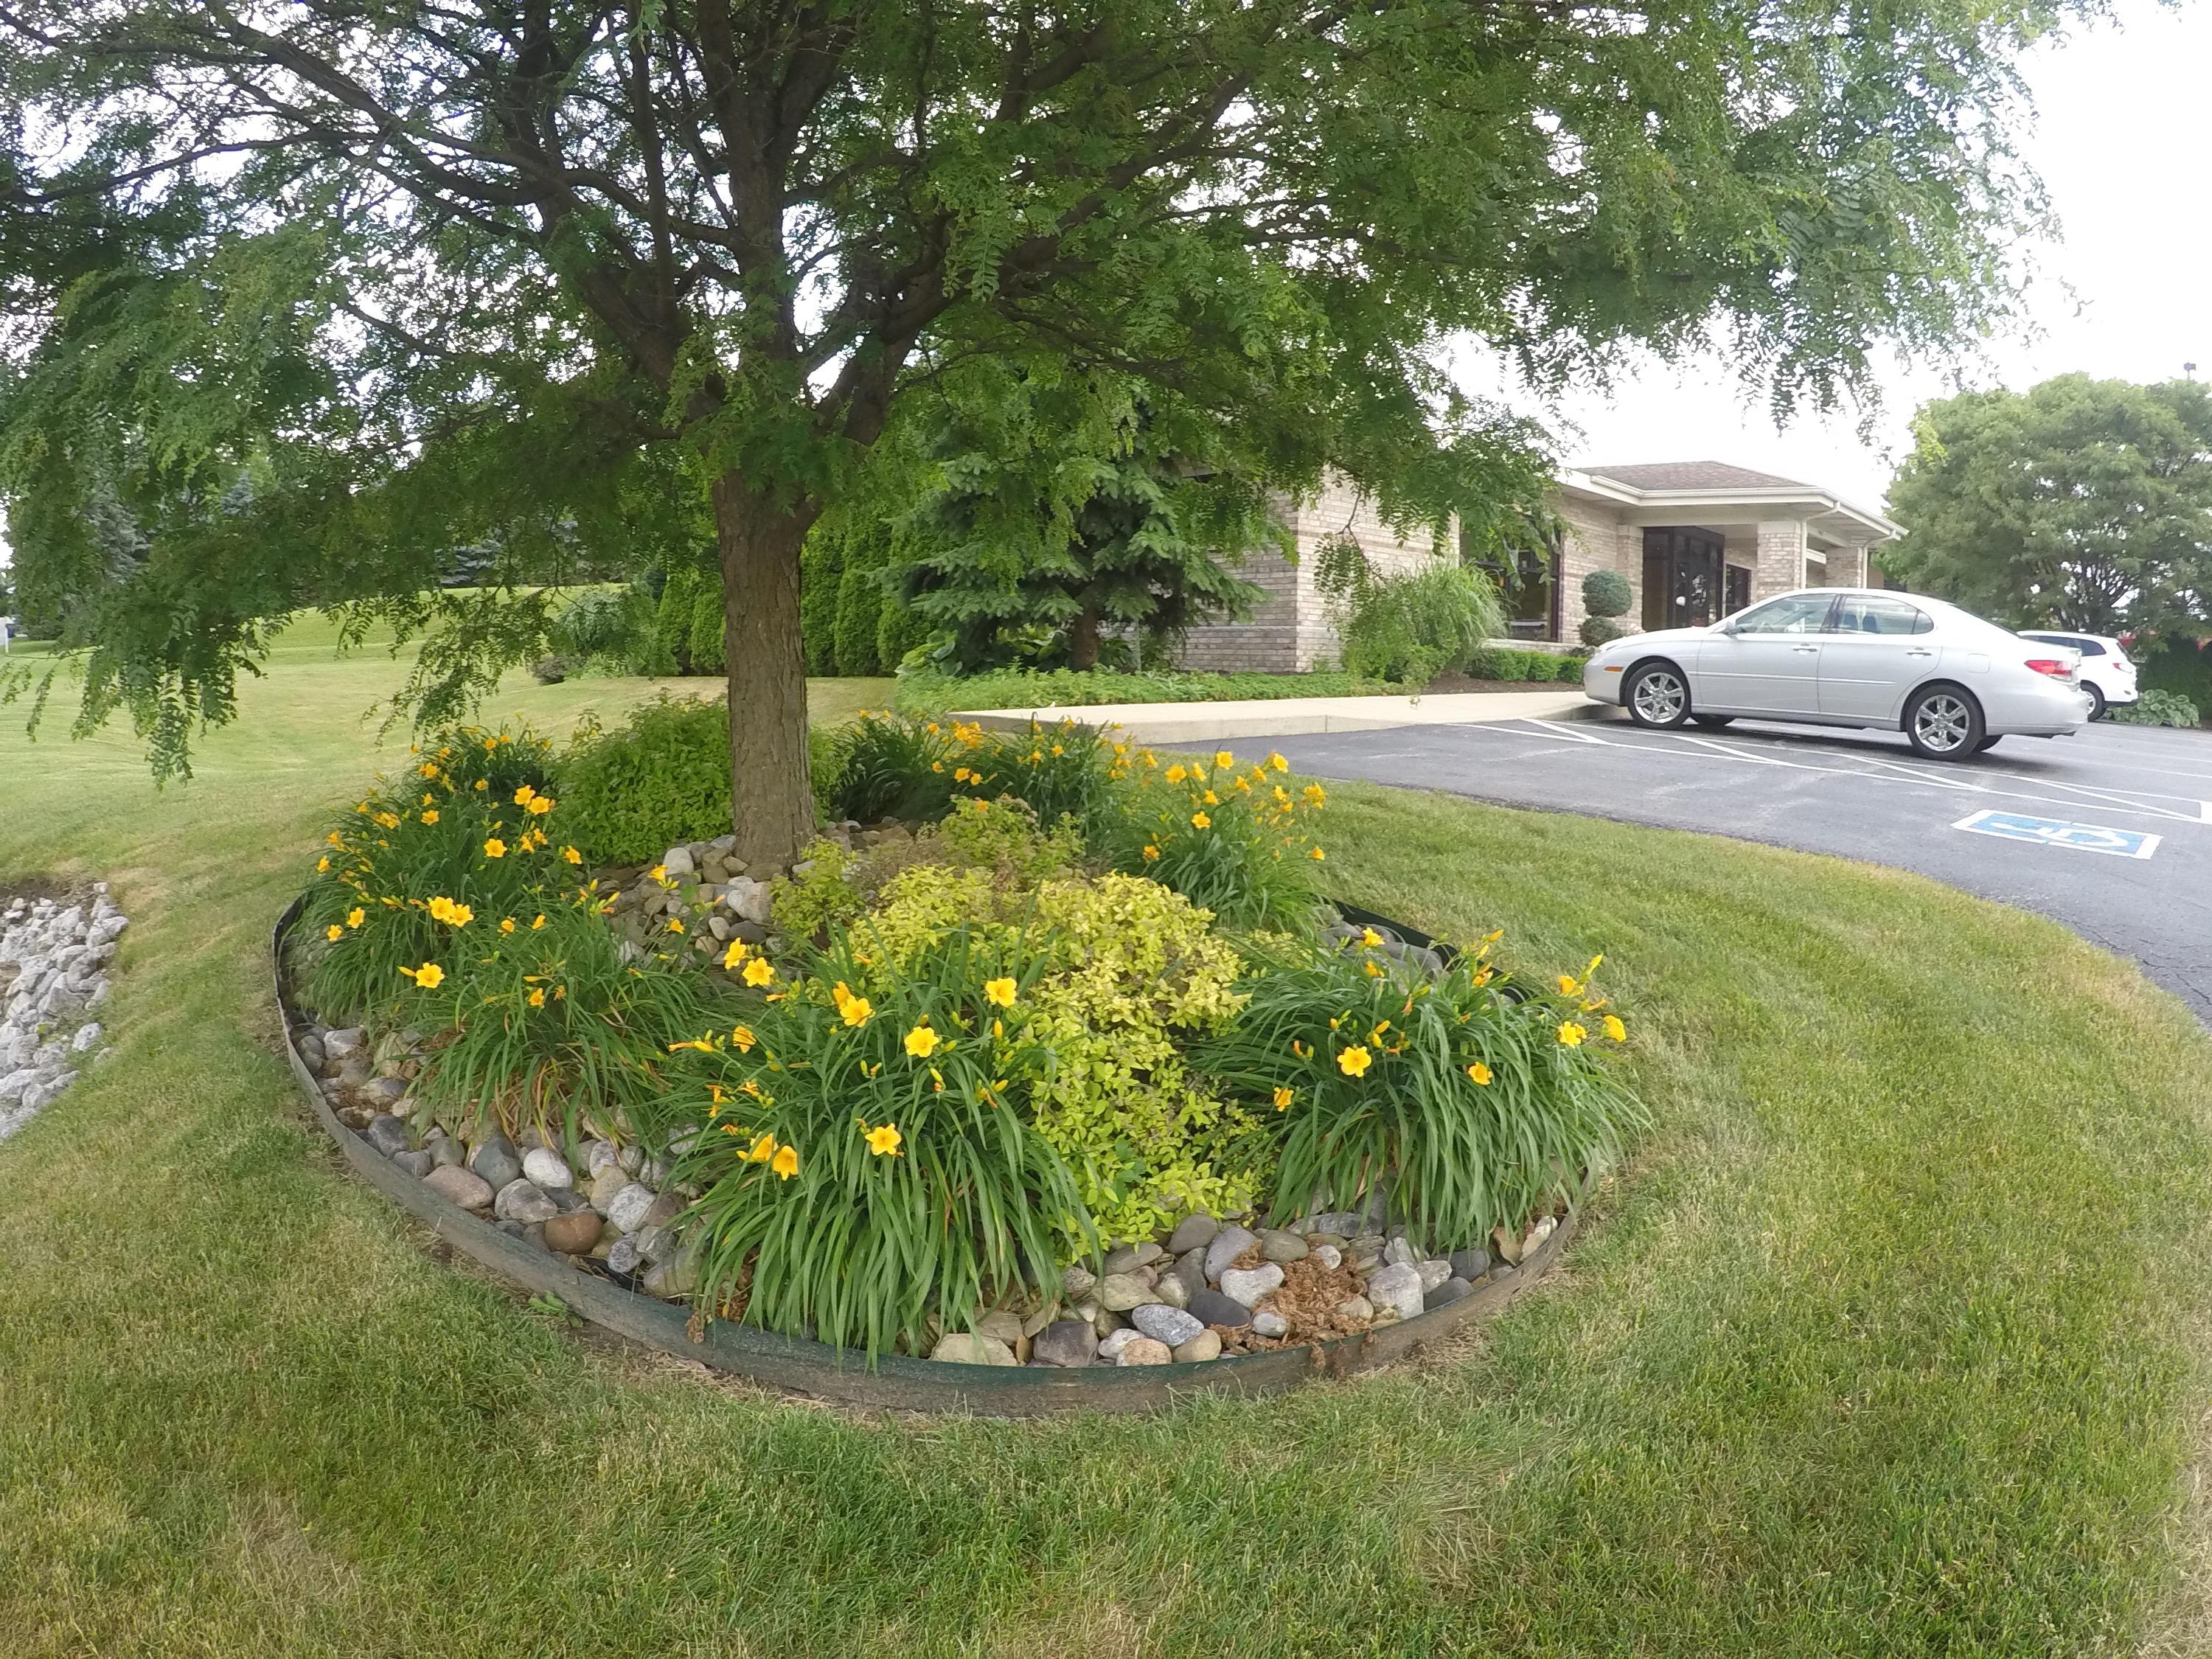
1886 1343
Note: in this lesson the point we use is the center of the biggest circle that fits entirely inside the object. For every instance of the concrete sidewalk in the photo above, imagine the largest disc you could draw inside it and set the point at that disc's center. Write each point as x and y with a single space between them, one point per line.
1185 722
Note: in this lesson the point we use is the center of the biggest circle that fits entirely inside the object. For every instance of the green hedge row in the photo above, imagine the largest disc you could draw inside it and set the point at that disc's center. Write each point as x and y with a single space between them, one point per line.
1067 688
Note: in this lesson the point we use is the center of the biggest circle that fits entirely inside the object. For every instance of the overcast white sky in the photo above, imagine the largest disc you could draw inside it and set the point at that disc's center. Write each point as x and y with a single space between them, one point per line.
2123 143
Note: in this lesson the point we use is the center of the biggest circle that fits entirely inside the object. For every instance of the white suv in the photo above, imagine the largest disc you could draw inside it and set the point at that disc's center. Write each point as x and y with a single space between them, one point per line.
2106 674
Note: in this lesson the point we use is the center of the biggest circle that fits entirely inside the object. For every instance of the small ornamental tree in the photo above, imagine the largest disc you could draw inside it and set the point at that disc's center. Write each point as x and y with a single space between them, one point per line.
1605 599
555 275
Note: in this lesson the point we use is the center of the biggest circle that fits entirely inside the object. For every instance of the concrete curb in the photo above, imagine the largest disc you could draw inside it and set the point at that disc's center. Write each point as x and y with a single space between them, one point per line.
1290 717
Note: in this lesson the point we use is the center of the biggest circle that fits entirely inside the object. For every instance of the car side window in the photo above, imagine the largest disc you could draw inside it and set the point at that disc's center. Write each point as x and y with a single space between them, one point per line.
2089 647
1793 613
1864 614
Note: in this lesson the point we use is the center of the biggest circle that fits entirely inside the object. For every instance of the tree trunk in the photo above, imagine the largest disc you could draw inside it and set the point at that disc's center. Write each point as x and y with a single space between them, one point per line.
771 794
1083 639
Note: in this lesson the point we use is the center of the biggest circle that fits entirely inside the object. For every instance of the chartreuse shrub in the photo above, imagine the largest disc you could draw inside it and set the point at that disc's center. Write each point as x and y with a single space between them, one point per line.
1235 841
865 1158
1477 1102
660 779
840 881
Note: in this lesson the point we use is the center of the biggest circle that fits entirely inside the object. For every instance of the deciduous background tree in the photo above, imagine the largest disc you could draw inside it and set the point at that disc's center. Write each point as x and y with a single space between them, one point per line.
2081 504
543 275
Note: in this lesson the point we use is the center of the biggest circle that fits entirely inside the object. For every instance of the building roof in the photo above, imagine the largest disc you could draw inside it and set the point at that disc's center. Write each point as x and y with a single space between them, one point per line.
1693 475
1716 486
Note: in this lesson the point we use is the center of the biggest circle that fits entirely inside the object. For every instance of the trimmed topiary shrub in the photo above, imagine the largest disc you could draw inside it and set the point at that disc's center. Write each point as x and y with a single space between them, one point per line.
1607 594
1601 630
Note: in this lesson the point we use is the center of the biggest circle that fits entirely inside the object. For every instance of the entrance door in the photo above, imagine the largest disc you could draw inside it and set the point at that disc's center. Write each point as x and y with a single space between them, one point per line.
1682 578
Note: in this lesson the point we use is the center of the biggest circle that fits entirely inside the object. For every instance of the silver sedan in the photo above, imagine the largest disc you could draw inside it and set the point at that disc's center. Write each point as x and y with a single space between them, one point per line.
1850 656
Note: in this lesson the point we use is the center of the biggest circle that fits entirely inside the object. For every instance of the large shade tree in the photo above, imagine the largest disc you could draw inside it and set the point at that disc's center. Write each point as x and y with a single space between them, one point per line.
2081 503
542 274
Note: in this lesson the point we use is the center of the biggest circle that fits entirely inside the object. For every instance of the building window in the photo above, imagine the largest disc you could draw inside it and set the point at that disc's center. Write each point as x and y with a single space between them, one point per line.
1681 577
1738 590
1528 581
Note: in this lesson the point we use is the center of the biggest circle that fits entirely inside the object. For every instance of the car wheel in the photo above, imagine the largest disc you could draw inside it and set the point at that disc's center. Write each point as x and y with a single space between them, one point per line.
1986 744
2097 706
1714 722
1657 696
1943 723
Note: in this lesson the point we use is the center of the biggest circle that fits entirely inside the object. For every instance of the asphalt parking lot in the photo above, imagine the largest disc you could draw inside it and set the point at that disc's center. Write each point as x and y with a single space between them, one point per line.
2108 831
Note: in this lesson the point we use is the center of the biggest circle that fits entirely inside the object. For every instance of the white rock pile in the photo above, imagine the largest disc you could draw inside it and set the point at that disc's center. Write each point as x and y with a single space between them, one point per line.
53 973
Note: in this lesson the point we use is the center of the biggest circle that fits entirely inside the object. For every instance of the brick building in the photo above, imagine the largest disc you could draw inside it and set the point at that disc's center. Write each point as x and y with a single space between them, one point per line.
1696 539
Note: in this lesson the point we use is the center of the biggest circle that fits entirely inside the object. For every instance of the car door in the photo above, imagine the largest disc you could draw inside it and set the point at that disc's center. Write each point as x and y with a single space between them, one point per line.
1878 649
1766 661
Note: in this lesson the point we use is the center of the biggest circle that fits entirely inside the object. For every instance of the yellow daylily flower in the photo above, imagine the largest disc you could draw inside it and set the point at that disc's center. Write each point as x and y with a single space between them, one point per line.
738 952
1571 1035
1277 763
1370 939
1615 1029
537 996
1353 1062
1478 1071
494 848
921 1041
429 814
1200 821
759 971
323 865
1223 759
429 976
1282 1098
355 916
1150 852
999 992
761 1150
334 932
786 1162
742 1039
884 1139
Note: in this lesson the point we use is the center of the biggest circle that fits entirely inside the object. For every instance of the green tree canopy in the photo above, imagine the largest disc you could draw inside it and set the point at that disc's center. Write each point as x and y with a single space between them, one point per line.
2081 504
548 275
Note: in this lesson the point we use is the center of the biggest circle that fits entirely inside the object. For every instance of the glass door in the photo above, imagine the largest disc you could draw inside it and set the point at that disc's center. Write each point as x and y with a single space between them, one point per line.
1682 575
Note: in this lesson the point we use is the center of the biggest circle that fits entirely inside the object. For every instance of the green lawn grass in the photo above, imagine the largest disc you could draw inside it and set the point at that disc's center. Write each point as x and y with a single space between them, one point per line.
1888 1342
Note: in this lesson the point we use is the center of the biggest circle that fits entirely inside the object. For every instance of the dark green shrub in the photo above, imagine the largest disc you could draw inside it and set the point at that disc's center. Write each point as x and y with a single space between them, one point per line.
933 693
2179 664
1534 665
1607 594
687 628
662 778
1601 630
1490 662
821 567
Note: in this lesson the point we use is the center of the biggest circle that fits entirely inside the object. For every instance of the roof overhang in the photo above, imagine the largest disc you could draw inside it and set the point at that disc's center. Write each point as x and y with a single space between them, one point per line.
1829 513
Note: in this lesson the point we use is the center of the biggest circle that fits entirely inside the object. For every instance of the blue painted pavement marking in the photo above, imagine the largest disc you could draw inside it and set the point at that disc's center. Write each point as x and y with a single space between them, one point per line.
2057 832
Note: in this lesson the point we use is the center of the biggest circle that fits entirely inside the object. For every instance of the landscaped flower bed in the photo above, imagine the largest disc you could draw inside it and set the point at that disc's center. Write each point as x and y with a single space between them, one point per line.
1058 1059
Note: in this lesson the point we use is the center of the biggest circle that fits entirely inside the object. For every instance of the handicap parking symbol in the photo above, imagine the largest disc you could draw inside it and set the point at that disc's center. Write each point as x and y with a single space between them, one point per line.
2057 832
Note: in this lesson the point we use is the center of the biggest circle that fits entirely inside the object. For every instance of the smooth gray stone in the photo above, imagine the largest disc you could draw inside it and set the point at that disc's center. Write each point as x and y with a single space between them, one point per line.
497 1161
520 1201
1065 1342
1397 1286
387 1135
416 1164
1447 1293
1211 1307
1249 1284
1191 1232
1268 1323
1278 1244
1470 1264
1228 1244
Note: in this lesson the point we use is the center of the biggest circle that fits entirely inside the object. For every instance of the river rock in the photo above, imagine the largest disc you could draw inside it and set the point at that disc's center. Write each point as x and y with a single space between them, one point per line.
1110 1347
1145 1351
546 1168
1445 1294
1171 1291
1227 1245
1210 1307
1171 1325
1267 1322
1192 1232
417 1163
1470 1264
520 1201
966 1348
1118 1293
387 1135
1206 1345
1280 1244
1077 1282
628 1208
1396 1288
1128 1258
1433 1273
1066 1342
1328 1255
1249 1284
462 1187
575 1233
496 1161
1355 1310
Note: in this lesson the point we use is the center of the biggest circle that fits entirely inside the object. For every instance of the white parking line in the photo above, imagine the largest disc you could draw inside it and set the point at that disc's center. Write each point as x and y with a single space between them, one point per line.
1685 745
